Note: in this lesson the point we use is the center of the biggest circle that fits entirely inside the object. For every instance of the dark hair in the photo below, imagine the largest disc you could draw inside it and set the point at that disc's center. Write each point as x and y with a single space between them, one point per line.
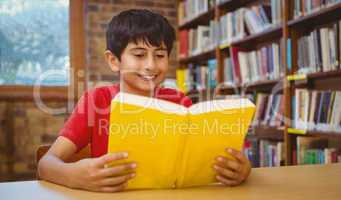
133 25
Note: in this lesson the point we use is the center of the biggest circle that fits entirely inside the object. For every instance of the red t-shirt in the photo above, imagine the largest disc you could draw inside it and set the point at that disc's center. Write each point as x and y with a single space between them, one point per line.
89 121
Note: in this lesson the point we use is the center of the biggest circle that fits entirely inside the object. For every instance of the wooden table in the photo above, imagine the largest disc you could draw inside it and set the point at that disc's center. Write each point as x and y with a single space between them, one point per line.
321 182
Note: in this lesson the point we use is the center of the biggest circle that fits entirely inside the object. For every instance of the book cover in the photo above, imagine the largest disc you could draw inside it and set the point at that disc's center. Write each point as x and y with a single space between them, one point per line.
212 73
336 112
183 43
339 39
174 146
235 61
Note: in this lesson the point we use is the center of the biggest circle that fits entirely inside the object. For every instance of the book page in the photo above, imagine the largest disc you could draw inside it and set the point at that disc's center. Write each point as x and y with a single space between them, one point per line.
152 138
214 126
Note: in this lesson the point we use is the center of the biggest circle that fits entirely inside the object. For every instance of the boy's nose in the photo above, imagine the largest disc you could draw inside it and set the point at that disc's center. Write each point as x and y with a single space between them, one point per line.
150 65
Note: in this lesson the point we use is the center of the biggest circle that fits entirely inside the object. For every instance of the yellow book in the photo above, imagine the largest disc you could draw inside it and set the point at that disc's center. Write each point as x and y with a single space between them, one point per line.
175 146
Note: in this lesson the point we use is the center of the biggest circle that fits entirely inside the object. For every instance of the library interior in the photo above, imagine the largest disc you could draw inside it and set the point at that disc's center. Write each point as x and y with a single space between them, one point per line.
274 65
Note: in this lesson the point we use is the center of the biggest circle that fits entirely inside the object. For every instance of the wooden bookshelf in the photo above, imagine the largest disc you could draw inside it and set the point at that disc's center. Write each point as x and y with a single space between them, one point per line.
314 133
266 85
204 56
327 14
268 132
230 89
230 5
316 75
318 81
203 18
271 33
324 134
292 29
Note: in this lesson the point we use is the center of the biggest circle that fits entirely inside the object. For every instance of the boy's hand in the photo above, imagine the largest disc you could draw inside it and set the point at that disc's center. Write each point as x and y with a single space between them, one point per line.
232 172
91 174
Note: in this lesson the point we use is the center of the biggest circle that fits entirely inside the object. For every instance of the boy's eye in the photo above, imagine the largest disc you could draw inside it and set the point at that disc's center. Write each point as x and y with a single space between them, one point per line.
139 55
160 56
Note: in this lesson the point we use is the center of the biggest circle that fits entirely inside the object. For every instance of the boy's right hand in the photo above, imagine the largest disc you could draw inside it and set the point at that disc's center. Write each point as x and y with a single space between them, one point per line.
91 174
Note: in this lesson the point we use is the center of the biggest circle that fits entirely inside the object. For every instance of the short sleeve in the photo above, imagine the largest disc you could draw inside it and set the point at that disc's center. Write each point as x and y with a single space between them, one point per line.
186 101
174 96
76 127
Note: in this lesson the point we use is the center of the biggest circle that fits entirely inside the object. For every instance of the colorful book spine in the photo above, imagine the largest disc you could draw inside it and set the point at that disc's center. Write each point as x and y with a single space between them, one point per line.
317 110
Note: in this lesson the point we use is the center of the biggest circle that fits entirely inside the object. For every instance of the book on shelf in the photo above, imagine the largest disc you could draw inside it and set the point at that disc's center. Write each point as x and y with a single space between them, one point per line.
219 2
257 65
197 77
183 141
271 153
201 76
256 18
269 110
235 64
276 12
314 150
229 78
316 110
306 7
183 44
190 9
264 153
339 38
251 150
212 73
181 79
197 40
319 51
231 26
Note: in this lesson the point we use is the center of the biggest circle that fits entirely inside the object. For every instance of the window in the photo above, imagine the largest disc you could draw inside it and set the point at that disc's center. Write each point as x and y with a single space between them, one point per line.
34 42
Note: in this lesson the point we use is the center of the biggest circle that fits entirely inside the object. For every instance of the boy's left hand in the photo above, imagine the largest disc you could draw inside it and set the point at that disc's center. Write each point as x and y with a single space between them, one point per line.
232 172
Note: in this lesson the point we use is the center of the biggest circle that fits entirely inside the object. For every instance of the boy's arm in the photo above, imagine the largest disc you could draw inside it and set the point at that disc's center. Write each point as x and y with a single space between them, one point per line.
51 166
88 174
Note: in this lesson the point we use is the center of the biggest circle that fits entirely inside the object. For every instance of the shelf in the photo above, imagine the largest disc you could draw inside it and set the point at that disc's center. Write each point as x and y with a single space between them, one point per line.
327 134
324 134
231 5
194 92
203 91
268 132
319 80
316 75
324 75
198 58
263 85
258 38
202 95
258 86
325 15
203 18
230 87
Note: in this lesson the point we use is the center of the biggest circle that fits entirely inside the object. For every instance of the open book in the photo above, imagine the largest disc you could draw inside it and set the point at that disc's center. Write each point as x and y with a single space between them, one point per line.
175 146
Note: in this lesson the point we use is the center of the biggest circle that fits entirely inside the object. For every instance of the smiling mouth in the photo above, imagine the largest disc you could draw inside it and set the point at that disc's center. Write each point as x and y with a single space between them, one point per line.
147 77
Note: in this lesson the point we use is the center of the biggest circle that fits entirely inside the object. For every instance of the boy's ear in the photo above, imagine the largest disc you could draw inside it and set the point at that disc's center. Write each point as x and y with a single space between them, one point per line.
112 61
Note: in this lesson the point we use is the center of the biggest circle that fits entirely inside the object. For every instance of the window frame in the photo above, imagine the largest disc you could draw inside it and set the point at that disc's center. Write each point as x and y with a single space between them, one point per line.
78 72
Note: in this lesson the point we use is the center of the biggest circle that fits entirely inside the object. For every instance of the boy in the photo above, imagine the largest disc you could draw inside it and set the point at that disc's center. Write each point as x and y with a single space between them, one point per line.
138 45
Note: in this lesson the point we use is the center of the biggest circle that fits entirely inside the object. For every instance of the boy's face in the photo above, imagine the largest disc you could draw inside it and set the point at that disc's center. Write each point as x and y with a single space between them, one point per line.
142 67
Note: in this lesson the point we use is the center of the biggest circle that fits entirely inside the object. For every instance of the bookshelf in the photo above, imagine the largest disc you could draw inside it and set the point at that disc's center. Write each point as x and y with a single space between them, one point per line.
294 24
197 58
259 38
295 28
